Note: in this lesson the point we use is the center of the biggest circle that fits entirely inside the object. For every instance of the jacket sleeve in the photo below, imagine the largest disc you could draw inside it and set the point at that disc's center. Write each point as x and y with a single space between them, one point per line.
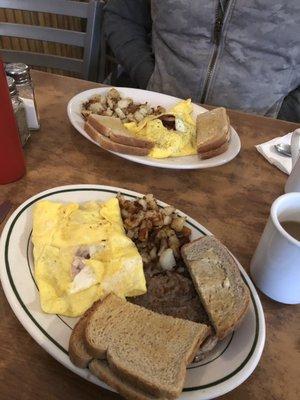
290 109
127 27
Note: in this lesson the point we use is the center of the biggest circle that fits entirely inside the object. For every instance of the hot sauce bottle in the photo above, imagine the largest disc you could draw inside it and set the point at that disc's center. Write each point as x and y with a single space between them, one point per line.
12 162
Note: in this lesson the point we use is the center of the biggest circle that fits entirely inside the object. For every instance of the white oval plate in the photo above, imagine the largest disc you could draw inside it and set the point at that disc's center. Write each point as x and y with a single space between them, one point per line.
154 99
231 362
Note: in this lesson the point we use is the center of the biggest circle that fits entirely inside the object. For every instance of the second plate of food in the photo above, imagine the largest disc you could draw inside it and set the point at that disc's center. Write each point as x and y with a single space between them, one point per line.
153 100
231 361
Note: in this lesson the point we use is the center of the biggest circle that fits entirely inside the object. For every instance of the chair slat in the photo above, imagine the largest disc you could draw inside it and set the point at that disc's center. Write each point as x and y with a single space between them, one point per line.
92 51
43 33
39 59
62 7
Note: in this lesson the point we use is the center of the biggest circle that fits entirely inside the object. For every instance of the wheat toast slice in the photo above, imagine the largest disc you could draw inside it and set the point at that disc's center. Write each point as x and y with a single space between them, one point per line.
81 358
148 350
101 370
218 282
108 144
113 128
77 350
213 130
215 152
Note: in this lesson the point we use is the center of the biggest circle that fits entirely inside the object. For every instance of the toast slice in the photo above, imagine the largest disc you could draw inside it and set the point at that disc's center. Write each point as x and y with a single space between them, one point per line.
216 152
81 358
148 350
218 282
108 144
213 130
105 324
113 128
77 350
101 370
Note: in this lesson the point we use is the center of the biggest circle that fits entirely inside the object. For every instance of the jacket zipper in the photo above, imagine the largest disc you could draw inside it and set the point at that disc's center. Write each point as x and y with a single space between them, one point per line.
217 36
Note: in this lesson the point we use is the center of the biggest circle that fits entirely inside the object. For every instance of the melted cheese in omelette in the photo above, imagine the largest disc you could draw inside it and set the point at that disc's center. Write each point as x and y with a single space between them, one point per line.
81 253
169 143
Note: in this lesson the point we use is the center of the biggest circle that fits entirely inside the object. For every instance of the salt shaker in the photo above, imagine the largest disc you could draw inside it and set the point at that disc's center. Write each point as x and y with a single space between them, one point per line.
19 110
21 74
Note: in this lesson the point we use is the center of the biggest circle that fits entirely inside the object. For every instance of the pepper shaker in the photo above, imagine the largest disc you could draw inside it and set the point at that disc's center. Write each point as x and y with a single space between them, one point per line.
19 110
21 74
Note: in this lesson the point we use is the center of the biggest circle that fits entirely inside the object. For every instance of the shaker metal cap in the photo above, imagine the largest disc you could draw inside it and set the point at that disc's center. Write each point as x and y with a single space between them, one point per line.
19 71
11 85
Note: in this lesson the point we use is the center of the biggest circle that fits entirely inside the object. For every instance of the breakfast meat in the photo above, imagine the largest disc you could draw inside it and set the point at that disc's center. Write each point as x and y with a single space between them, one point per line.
112 104
172 293
168 121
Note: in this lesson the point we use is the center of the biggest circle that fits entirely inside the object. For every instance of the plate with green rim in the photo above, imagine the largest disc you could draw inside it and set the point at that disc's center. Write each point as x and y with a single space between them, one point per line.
228 365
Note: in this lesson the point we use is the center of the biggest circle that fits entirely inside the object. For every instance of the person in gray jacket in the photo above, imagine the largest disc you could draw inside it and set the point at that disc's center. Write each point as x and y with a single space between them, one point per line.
241 54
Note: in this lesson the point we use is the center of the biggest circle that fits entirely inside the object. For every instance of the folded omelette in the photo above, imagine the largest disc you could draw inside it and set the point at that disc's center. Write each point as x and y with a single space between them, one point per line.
81 253
169 143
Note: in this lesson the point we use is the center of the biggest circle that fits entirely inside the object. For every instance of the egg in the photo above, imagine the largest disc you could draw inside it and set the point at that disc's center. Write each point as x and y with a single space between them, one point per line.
169 143
81 253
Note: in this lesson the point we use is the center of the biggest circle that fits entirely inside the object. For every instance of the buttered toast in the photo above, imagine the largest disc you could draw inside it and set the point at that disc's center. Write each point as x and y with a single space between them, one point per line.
218 281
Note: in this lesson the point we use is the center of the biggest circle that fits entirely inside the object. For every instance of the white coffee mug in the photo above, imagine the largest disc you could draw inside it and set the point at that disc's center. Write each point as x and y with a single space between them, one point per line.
275 266
293 182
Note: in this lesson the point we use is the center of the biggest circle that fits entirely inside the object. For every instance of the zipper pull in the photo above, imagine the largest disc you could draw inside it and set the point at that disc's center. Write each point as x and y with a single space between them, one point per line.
217 30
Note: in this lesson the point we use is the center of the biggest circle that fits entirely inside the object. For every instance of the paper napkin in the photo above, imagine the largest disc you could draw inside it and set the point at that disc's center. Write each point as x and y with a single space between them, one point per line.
281 161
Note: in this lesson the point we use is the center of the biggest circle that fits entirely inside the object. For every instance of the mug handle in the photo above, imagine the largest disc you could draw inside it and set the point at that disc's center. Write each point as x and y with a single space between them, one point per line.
295 146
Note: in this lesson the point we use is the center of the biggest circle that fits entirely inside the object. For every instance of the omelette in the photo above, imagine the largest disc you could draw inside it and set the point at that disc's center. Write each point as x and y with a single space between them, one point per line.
81 253
169 143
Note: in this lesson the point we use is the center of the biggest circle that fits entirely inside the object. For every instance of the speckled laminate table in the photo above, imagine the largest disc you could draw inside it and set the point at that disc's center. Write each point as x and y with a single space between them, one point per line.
232 201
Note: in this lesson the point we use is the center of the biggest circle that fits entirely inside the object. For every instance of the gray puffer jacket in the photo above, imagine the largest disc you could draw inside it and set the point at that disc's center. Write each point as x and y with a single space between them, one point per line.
241 54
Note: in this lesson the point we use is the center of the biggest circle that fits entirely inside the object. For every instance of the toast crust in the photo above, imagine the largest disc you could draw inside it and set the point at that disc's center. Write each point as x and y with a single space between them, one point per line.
108 144
102 371
216 152
113 128
78 352
214 144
